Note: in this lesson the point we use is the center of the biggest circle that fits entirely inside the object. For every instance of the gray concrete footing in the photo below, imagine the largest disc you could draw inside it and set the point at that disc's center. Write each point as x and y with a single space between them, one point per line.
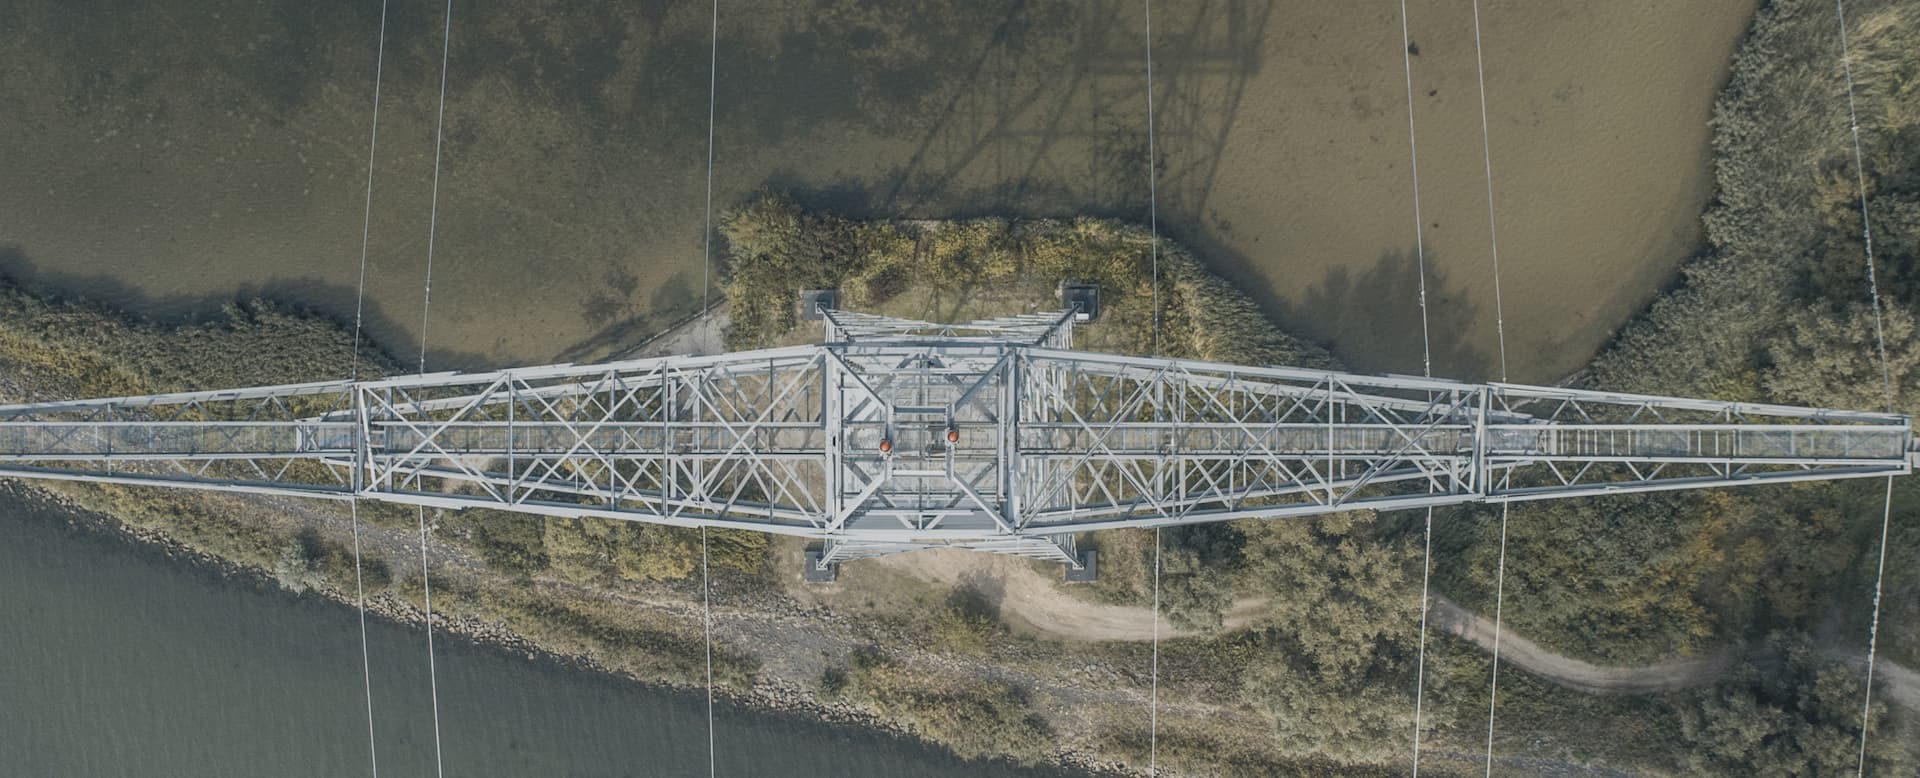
1089 568
814 573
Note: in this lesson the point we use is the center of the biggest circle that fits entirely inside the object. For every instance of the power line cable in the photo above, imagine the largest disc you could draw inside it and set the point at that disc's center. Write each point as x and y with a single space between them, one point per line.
1499 600
433 210
706 607
1153 237
1500 332
1420 668
1493 233
1413 153
706 302
1153 698
420 513
1153 186
433 676
713 84
1886 383
1426 365
359 310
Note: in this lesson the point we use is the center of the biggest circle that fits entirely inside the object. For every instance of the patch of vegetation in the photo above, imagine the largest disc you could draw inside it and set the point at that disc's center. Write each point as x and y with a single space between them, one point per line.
1202 748
599 551
507 542
1795 714
1198 567
965 623
976 718
644 643
310 560
953 271
1774 309
1327 662
1619 579
61 348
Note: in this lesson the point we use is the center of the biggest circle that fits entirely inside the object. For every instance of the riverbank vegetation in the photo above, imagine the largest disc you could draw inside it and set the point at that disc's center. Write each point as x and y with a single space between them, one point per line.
976 717
53 348
956 271
1776 308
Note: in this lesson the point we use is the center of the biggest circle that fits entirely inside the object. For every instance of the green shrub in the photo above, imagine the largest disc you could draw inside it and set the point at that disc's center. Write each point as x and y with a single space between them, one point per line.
959 270
293 569
965 623
1774 309
975 718
509 542
1791 713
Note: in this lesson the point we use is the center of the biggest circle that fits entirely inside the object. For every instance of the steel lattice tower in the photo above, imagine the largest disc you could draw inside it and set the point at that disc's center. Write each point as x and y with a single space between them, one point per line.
893 435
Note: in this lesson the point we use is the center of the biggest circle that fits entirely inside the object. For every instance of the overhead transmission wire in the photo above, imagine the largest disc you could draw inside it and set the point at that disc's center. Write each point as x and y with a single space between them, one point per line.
1153 696
1499 593
426 305
706 303
713 84
1153 248
1886 383
1426 366
359 311
1413 155
1153 186
706 608
1500 331
1486 156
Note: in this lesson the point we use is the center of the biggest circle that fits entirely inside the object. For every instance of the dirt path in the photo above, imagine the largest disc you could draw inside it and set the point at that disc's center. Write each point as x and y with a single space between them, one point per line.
1030 601
1027 599
1567 671
1899 683
1903 683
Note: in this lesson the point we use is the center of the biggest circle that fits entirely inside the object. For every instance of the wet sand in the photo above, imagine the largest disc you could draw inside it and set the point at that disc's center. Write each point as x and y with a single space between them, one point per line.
169 159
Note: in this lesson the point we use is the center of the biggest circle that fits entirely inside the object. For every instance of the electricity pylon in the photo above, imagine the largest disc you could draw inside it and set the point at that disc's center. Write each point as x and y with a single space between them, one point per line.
893 435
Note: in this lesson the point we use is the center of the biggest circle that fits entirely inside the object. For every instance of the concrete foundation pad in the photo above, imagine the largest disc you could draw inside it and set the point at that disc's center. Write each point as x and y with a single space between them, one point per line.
812 572
1089 568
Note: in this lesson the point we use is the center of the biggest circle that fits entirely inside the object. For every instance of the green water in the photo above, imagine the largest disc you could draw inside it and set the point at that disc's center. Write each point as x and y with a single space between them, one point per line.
116 660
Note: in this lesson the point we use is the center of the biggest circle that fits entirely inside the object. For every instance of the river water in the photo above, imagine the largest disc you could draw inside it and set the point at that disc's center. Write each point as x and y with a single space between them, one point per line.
167 157
117 660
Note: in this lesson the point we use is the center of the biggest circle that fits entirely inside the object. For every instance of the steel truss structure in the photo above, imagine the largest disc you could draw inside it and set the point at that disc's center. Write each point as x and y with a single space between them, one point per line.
894 435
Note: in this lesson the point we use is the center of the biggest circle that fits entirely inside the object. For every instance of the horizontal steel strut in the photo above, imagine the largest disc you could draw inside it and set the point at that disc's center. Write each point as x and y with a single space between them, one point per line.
894 435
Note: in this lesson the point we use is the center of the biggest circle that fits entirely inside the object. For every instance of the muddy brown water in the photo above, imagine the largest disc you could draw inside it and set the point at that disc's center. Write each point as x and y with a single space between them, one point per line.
167 157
